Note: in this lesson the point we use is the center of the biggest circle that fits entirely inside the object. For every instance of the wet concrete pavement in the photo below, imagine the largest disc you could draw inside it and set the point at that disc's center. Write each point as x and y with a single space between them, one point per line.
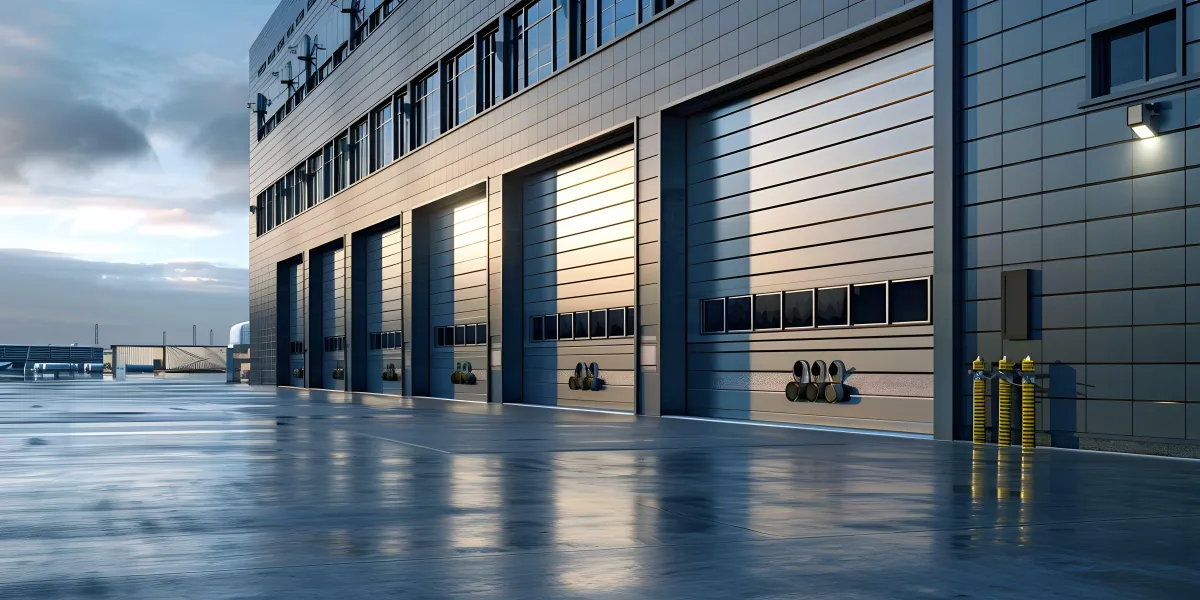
153 489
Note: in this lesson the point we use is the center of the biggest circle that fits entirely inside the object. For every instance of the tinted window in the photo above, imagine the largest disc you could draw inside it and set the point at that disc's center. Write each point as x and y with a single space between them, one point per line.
599 323
767 311
868 304
738 316
712 315
909 301
630 321
831 307
471 335
565 326
481 336
535 329
441 336
581 325
1125 58
550 328
1160 49
460 335
391 343
798 309
616 322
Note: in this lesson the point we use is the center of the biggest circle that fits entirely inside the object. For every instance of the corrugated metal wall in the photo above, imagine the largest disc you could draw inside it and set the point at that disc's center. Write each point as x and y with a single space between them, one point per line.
822 182
579 255
458 293
333 315
384 310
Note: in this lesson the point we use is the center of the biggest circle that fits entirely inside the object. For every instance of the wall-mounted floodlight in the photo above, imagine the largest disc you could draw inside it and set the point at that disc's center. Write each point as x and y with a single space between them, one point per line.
1141 119
253 209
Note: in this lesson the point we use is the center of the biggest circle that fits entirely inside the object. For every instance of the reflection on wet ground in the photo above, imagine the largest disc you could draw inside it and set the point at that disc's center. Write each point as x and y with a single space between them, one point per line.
184 489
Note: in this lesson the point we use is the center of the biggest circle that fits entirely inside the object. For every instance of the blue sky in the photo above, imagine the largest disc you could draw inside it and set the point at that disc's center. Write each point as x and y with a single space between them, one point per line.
124 137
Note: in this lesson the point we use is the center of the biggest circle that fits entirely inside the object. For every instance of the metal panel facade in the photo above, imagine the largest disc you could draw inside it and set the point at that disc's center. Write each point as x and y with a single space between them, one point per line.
822 183
579 255
1056 181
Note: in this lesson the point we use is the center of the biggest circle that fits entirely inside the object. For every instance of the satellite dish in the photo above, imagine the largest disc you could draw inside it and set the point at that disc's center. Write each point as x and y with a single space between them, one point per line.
349 6
285 73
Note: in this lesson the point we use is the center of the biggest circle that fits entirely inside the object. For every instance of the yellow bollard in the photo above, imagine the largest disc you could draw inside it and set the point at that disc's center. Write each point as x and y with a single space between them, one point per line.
1004 400
1028 407
979 414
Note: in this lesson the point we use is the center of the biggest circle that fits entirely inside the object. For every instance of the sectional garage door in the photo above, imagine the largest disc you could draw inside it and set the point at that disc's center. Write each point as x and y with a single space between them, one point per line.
333 320
385 341
810 237
458 298
294 305
579 246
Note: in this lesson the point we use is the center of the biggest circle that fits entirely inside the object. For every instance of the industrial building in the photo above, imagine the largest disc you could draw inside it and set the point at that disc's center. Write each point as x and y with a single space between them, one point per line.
662 207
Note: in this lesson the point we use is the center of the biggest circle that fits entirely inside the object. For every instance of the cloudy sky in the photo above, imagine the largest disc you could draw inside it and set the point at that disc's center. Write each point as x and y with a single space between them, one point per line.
123 168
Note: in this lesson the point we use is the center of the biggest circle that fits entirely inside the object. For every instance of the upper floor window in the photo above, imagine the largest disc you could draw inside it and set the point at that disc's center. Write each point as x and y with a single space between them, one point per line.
403 118
541 36
316 171
489 91
384 139
461 80
1132 54
426 114
616 18
360 151
328 181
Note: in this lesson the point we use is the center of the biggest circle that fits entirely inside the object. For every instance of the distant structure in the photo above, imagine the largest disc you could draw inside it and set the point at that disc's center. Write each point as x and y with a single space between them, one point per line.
237 353
50 358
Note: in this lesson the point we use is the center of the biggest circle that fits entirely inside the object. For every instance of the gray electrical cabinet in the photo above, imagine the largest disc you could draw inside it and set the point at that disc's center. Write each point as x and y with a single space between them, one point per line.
384 311
810 237
333 320
580 225
458 299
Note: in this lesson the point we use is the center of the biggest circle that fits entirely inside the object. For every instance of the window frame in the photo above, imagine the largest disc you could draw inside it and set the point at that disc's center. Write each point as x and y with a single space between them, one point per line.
817 308
546 319
737 297
537 328
587 327
454 77
887 317
812 295
570 330
518 19
379 125
754 312
703 318
360 151
592 324
420 103
487 78
1096 36
928 300
610 322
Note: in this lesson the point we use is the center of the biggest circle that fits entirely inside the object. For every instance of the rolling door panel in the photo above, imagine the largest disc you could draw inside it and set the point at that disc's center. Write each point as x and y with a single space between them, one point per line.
333 319
384 304
458 294
825 182
295 307
579 246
